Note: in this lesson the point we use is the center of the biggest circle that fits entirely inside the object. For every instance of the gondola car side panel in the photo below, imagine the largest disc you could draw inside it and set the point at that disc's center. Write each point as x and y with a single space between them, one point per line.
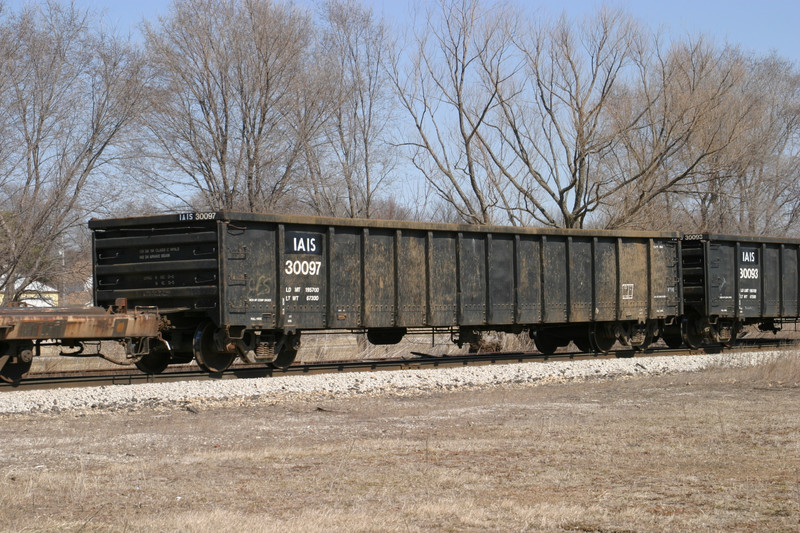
249 292
344 277
411 278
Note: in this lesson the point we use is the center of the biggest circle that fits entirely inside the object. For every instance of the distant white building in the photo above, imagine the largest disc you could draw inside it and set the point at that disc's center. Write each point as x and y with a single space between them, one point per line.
36 294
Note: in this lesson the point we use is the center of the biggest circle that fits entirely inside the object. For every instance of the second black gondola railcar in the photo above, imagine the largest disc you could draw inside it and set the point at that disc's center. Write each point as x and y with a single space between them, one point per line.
730 281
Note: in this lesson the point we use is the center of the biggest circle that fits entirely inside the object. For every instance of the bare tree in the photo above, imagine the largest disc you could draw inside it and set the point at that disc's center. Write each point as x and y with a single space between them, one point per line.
230 117
603 119
353 162
688 113
567 124
551 129
755 187
444 92
68 90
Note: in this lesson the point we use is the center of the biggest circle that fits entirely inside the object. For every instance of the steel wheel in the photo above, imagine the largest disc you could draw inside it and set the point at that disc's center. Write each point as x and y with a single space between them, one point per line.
546 344
692 335
583 343
285 358
288 351
601 339
208 357
154 362
15 361
13 372
672 337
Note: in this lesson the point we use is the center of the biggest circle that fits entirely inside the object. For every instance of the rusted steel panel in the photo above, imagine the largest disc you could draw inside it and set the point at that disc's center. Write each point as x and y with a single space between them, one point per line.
502 279
634 280
664 279
555 268
443 286
790 276
379 279
345 278
772 280
720 278
605 279
529 286
411 274
581 289
472 279
75 323
248 268
169 266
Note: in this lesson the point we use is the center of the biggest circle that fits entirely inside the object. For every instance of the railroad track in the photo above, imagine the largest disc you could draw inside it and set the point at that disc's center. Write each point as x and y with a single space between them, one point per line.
86 378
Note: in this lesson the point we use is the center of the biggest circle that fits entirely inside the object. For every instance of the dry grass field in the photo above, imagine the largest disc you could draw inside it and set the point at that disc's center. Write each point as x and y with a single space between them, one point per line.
717 451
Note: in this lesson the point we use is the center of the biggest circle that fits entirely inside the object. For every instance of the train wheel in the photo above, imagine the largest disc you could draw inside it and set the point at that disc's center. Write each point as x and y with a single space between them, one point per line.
15 361
583 343
285 358
602 340
288 351
208 357
692 335
154 362
672 337
546 344
13 372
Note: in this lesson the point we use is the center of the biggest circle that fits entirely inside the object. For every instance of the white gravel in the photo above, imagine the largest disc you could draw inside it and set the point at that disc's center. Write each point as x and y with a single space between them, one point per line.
362 383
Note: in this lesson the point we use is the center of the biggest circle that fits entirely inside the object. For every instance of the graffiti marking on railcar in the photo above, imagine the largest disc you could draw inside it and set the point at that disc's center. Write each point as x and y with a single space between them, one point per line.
259 285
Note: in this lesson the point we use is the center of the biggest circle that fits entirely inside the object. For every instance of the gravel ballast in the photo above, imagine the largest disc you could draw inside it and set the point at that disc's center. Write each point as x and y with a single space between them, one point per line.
362 383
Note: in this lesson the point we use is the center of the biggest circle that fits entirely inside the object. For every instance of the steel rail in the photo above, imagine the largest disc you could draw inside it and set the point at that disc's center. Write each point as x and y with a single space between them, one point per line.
419 361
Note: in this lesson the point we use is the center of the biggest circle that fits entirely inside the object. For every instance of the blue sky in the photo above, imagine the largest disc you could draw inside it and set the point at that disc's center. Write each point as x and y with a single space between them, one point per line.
756 25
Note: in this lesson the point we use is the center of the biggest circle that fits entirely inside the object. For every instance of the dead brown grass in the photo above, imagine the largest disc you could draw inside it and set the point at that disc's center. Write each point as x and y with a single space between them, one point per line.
780 372
717 451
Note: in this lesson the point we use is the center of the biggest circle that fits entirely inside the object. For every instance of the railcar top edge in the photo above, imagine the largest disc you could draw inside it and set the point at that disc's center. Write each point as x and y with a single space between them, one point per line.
234 217
739 238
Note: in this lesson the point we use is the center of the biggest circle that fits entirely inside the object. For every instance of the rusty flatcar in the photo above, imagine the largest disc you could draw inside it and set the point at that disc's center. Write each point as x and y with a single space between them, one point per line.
24 330
248 285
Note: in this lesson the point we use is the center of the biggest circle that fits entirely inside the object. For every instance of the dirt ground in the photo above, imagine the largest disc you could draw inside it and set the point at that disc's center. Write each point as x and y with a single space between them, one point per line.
713 452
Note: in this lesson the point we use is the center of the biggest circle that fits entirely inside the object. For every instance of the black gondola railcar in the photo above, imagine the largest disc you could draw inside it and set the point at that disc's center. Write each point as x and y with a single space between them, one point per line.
236 284
730 281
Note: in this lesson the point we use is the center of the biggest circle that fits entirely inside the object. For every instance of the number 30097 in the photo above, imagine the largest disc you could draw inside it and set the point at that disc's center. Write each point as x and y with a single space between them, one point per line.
304 268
